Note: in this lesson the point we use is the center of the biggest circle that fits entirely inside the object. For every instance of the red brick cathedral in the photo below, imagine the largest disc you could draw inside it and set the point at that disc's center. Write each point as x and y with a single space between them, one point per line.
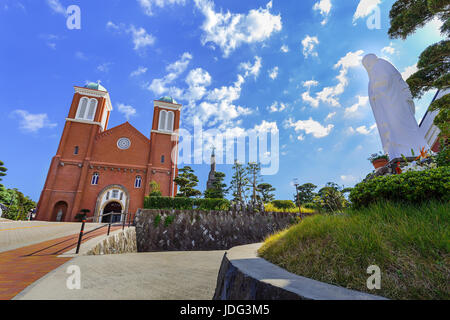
108 170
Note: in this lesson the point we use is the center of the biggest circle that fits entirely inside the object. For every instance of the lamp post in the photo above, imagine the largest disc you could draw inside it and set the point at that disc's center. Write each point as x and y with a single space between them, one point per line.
296 184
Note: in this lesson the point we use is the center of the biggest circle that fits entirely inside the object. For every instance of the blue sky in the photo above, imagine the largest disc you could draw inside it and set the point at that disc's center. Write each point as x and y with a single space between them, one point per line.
292 66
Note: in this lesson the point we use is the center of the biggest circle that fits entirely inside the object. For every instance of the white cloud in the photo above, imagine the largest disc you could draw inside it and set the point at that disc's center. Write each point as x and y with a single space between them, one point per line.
309 44
159 86
362 101
33 122
363 130
389 49
127 110
324 6
365 8
140 70
230 30
310 83
147 5
104 67
348 178
252 69
140 37
330 116
284 48
277 107
273 73
330 95
409 71
80 55
57 7
310 127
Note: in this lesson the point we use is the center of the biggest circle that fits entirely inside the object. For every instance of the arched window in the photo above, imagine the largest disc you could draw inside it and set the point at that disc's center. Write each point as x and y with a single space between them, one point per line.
138 182
169 124
162 120
82 108
86 109
94 180
92 108
162 159
75 150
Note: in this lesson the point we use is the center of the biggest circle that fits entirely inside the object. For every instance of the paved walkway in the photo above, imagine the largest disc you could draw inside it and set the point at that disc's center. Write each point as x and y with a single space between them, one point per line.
21 267
134 276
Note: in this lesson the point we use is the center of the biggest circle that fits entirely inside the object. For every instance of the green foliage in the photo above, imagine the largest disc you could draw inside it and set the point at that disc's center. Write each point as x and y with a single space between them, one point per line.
434 63
155 189
187 181
408 242
2 170
376 156
283 204
331 198
239 182
254 173
443 157
182 203
219 189
18 204
265 190
411 187
305 193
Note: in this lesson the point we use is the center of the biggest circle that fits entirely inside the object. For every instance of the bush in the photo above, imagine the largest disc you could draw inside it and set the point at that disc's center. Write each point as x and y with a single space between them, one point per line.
413 187
283 204
180 203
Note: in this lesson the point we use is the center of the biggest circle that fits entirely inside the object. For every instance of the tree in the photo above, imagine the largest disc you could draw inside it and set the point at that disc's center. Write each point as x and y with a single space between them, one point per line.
239 182
155 189
219 189
2 170
266 189
305 193
187 181
254 178
434 63
331 198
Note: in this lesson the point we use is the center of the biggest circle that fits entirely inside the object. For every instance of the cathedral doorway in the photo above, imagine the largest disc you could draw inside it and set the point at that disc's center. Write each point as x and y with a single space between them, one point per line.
112 207
59 211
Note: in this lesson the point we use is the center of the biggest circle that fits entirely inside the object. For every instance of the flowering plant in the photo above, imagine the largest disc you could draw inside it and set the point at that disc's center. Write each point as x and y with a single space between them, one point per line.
376 156
425 161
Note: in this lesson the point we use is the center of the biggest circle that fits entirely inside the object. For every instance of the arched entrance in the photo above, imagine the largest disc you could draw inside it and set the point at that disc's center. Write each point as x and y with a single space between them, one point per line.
112 207
59 211
111 194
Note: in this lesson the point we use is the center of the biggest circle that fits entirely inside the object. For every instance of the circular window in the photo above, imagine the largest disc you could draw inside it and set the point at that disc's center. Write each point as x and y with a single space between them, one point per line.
123 143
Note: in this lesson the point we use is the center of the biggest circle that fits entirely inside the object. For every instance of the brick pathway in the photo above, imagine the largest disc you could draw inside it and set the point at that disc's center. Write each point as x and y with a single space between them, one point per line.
21 267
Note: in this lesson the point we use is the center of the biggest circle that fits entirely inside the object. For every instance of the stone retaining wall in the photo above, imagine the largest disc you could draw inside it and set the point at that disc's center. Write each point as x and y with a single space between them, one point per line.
122 242
188 230
245 276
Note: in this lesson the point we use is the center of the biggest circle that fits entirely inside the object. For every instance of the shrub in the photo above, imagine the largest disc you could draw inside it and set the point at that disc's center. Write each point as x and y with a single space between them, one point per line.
181 203
283 204
410 187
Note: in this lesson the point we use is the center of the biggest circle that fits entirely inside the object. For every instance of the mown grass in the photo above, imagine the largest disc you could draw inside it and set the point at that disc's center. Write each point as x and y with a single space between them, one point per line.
269 207
410 244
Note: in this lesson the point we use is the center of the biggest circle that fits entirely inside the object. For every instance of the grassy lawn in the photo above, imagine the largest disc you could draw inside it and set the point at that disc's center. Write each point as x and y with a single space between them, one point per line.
410 244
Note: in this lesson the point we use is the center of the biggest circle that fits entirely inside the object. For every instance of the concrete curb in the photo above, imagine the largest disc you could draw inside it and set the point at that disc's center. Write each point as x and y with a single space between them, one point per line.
245 276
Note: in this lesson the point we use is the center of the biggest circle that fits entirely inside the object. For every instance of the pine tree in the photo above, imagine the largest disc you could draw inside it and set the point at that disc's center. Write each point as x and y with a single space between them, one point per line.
254 178
2 170
187 181
266 189
239 183
219 189
434 63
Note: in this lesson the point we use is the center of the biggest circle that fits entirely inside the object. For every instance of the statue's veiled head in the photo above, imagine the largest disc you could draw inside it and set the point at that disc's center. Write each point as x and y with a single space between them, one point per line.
369 61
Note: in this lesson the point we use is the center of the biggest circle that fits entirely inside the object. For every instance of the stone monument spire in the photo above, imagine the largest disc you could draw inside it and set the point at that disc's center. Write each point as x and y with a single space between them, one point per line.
211 176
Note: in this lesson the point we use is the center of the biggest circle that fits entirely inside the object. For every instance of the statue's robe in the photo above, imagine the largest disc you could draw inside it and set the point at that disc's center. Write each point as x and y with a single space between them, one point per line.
394 111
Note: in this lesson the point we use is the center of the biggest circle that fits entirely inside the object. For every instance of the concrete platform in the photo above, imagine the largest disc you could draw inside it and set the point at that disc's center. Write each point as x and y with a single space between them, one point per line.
136 276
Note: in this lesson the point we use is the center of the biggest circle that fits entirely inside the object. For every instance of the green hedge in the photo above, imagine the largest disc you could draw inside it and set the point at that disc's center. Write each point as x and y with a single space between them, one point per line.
283 204
410 187
180 203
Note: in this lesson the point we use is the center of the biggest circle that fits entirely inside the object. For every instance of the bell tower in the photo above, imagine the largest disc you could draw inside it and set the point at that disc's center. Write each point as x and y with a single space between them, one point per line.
88 116
163 158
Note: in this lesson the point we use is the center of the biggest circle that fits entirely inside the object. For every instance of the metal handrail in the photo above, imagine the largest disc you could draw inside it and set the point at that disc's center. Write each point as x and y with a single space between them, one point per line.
80 237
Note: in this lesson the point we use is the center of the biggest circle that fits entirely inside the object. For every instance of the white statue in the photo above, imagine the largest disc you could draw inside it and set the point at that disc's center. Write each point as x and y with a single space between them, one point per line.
393 108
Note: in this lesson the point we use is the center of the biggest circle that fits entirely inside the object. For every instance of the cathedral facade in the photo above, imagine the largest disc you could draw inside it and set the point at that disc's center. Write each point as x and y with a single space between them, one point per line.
108 170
